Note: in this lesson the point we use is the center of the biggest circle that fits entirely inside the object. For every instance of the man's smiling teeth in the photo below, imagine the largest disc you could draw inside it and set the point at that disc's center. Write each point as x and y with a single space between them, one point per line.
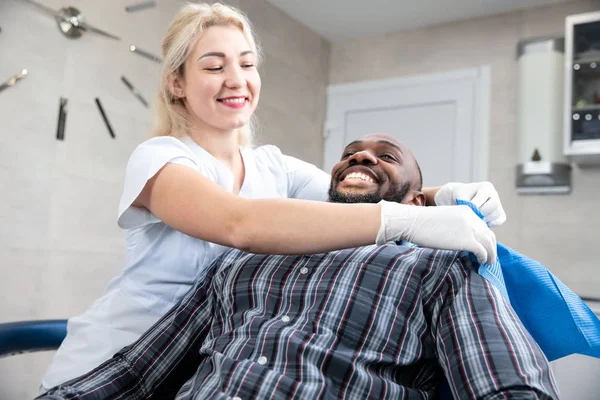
239 100
358 175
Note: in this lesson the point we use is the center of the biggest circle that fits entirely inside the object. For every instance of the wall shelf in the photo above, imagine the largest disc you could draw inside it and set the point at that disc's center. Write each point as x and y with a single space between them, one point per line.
589 107
587 58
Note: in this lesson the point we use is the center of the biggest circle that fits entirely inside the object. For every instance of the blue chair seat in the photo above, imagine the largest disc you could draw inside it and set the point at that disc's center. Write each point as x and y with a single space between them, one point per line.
31 336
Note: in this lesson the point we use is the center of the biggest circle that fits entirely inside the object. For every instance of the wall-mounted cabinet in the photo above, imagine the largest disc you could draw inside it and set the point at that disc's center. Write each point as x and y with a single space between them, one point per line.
582 88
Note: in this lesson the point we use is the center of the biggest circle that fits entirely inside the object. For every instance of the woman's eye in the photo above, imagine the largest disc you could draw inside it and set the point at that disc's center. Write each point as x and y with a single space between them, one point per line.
214 69
247 65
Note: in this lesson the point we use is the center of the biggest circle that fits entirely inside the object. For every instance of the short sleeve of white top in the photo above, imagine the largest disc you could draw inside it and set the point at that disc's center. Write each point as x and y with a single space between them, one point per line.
162 264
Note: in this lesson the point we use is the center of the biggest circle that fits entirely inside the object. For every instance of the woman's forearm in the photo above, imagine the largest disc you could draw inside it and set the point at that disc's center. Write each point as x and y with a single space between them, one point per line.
196 206
430 193
285 226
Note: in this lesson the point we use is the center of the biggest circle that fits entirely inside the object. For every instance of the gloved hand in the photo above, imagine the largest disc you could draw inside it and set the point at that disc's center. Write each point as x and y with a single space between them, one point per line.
443 227
482 194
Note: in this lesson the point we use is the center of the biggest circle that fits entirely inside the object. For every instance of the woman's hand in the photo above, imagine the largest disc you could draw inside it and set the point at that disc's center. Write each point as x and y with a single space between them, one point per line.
482 194
445 227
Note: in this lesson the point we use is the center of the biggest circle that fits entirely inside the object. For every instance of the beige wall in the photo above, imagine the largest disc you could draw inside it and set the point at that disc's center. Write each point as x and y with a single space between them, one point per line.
560 231
294 78
59 243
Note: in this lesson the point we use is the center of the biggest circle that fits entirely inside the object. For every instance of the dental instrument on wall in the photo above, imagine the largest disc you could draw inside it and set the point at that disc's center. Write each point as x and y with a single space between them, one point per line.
135 91
104 117
71 21
140 6
62 119
12 81
143 53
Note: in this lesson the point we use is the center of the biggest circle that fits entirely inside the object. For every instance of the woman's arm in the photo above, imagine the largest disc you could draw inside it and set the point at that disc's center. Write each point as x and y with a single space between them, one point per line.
430 193
193 204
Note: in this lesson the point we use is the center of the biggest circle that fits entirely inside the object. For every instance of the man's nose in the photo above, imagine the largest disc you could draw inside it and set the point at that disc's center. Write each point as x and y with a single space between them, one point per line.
363 157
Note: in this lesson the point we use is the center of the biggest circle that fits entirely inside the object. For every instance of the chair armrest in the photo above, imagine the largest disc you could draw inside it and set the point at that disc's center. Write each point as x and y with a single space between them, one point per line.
30 336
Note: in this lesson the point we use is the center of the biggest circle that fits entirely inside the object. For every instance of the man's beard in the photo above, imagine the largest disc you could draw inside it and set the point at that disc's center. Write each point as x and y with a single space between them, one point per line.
395 194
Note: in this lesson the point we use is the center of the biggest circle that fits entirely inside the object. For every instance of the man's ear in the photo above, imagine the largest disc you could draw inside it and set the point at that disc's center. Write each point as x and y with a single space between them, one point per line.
415 198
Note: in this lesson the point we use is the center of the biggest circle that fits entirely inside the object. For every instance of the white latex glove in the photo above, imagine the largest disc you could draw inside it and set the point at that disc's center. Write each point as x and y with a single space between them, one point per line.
443 227
482 194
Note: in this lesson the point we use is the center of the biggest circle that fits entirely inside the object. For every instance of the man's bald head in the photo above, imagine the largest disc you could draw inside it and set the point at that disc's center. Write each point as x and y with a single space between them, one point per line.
417 180
377 167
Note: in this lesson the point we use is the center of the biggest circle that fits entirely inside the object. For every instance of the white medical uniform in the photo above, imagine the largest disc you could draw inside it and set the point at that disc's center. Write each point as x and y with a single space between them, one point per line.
162 264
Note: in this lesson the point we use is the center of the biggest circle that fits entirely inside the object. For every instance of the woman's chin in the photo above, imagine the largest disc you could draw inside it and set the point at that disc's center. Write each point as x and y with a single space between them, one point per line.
230 124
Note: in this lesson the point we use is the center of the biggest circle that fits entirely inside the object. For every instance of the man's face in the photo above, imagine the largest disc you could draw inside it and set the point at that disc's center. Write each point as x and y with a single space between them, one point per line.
374 168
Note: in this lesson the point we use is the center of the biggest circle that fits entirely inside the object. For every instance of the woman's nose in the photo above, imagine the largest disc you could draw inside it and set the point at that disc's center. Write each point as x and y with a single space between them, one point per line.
235 78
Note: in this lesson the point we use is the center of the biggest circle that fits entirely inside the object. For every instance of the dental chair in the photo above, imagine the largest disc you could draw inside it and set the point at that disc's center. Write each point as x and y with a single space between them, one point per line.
30 336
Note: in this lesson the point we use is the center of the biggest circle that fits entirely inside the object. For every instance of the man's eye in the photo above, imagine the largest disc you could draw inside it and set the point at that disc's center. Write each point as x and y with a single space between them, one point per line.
348 154
214 69
387 157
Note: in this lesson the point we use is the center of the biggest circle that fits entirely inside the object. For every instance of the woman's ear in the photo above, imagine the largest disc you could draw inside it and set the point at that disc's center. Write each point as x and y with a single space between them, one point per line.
176 86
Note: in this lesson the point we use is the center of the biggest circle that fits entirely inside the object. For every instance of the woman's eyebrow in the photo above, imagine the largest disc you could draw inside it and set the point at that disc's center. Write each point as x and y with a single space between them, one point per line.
222 55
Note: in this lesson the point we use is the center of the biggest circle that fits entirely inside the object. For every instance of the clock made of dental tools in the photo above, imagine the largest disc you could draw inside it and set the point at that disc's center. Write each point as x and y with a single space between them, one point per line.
97 59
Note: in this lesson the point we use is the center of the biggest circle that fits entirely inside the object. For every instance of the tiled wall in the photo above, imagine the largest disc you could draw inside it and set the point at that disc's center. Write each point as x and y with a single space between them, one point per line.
59 243
561 231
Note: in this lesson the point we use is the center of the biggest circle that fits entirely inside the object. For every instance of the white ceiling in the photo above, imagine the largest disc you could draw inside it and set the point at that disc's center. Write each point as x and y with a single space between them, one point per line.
339 20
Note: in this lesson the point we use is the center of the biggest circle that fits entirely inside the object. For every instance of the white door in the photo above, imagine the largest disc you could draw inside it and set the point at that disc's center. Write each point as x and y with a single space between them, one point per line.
443 118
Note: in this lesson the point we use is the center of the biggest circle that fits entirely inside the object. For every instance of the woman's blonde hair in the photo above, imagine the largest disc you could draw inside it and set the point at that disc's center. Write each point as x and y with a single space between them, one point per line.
171 115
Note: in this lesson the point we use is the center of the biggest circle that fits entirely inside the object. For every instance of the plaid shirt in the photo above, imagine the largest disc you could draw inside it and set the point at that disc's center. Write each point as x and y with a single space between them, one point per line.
384 322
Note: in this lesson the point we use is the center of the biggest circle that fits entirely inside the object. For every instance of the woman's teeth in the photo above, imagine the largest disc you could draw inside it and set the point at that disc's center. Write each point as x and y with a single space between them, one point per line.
358 175
238 101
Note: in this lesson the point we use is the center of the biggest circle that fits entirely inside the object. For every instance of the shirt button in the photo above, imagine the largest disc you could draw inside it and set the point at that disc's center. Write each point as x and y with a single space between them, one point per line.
304 270
285 319
262 360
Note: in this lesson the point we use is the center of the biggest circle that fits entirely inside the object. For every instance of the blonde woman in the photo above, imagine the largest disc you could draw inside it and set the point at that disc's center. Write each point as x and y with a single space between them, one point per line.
197 188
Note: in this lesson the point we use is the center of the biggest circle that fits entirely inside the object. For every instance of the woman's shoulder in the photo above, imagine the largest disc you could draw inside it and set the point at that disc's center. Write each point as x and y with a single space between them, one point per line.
162 148
267 150
289 163
162 142
267 155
